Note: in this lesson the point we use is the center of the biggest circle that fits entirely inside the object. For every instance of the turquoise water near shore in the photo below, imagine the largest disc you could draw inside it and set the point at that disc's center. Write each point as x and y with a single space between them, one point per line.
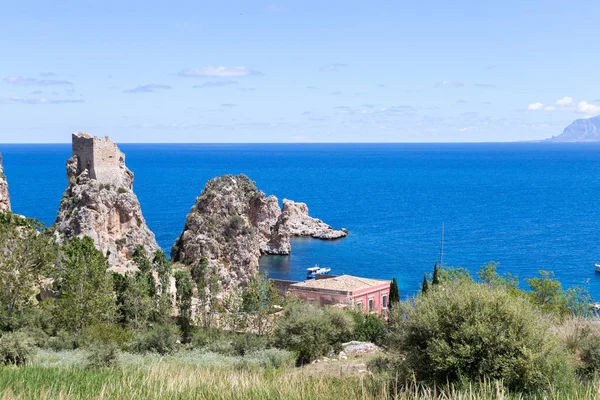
529 206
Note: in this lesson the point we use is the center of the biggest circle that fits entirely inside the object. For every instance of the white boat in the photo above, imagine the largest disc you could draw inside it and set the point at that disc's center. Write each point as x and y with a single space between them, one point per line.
312 272
597 267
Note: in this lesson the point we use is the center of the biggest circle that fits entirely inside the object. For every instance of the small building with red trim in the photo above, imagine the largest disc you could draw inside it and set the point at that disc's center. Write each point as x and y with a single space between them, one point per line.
364 294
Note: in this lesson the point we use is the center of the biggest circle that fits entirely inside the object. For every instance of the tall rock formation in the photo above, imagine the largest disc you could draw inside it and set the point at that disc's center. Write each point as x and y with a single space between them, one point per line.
99 202
4 198
233 223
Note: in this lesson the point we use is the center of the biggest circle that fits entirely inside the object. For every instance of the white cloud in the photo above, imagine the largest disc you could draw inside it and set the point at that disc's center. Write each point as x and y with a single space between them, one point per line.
21 81
332 67
219 83
535 106
585 107
147 88
565 101
449 84
34 101
217 72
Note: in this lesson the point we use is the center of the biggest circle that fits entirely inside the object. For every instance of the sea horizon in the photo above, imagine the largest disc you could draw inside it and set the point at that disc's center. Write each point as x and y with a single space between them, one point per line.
505 202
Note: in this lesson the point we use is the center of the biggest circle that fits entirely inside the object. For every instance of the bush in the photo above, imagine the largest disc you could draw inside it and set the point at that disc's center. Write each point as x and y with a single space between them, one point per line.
589 353
467 331
161 339
213 340
63 341
369 328
107 334
273 358
15 348
312 331
103 355
245 343
38 337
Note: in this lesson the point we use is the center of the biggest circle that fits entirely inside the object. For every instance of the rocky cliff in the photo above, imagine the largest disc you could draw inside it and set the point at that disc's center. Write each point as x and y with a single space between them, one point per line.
581 130
233 223
99 202
4 198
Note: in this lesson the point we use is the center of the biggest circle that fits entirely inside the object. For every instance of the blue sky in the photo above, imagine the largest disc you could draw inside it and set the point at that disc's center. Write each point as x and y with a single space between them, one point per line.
297 71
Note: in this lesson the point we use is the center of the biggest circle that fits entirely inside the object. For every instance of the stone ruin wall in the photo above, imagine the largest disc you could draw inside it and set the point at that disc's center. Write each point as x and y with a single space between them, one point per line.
102 158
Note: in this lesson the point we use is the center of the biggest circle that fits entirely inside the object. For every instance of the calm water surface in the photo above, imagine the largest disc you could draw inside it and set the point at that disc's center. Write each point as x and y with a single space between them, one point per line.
528 206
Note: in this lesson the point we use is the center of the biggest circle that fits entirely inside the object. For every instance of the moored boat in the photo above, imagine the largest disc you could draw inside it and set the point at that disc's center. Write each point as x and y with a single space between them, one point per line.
312 272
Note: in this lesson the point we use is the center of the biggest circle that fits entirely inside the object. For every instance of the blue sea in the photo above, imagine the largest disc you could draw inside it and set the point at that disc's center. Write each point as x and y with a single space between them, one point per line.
528 206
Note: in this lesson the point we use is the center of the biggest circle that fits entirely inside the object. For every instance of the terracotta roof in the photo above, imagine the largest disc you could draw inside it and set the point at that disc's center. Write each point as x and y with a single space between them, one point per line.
346 283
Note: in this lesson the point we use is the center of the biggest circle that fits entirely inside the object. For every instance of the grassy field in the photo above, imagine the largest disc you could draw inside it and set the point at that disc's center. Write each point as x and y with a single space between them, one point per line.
197 375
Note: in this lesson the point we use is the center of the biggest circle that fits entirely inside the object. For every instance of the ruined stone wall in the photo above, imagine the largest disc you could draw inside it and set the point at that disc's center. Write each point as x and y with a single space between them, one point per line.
101 157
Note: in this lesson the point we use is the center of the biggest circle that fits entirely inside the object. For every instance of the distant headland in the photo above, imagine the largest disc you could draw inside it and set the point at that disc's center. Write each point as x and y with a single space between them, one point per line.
580 130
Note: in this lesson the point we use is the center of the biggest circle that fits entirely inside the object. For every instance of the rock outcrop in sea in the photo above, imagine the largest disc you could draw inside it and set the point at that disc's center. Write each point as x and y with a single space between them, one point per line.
99 202
233 223
580 130
4 197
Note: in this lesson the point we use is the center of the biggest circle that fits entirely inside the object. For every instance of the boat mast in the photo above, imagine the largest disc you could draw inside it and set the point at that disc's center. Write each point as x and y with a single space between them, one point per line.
442 247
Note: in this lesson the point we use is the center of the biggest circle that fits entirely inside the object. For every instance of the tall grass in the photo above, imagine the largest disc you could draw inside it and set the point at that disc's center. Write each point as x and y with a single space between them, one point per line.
197 375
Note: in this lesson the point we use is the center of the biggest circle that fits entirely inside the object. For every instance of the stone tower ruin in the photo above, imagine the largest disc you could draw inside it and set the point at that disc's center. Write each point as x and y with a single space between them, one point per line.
99 202
102 158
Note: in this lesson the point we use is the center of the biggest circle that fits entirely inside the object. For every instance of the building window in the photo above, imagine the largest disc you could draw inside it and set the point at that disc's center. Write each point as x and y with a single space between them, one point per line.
371 305
384 301
359 306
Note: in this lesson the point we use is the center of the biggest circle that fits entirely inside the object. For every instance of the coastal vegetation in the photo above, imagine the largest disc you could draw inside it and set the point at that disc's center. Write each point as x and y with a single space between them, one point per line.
71 328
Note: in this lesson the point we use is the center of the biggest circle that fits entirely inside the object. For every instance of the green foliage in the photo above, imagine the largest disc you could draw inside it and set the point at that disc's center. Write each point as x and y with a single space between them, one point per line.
547 293
15 348
312 331
436 279
64 340
161 339
369 328
488 274
394 293
589 353
208 287
103 355
84 287
27 257
106 334
424 285
183 284
467 331
258 302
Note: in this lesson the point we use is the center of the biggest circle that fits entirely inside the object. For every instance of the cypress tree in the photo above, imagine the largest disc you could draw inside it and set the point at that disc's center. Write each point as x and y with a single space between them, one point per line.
394 293
425 286
436 278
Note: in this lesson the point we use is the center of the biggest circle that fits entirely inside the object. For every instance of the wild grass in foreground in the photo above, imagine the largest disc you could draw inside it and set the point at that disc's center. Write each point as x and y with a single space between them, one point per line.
197 375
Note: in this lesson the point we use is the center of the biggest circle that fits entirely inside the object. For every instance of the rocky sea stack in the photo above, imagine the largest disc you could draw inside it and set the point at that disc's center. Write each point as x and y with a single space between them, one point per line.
4 197
233 223
99 202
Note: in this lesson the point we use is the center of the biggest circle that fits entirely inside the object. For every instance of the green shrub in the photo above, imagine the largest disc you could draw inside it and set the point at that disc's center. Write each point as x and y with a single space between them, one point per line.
15 348
213 340
273 358
38 337
312 331
103 355
161 339
245 343
107 334
369 328
467 331
63 341
589 353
